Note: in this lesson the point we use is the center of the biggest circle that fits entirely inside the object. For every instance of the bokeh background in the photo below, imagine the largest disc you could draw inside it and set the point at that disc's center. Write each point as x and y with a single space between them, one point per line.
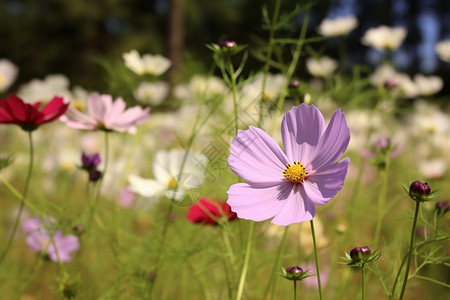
70 37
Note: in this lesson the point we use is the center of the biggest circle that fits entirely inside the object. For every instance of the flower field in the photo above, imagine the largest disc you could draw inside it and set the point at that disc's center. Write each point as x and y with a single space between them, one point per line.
306 178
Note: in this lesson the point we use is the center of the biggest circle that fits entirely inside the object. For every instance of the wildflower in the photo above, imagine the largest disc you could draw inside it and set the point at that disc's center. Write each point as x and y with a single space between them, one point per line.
287 185
428 85
90 162
384 38
152 93
175 173
208 211
321 67
104 114
45 89
14 110
39 239
147 64
443 207
8 74
443 50
433 168
338 27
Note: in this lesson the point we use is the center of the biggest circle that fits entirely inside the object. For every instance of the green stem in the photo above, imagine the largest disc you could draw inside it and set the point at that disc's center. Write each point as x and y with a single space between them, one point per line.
233 91
99 185
382 198
316 259
362 282
413 231
295 289
276 13
246 261
22 199
273 275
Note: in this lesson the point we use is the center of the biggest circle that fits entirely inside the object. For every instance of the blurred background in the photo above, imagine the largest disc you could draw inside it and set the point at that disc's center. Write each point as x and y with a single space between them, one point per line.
71 37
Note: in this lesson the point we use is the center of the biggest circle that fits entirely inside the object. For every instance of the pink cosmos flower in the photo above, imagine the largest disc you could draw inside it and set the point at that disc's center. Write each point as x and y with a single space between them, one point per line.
39 240
288 185
104 114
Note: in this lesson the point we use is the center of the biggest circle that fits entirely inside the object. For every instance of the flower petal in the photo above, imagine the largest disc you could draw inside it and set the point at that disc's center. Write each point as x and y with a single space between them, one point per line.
301 130
255 202
326 182
256 157
297 208
333 142
146 187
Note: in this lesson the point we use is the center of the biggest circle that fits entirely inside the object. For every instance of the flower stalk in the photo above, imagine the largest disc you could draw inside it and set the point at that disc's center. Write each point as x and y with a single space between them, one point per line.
23 197
248 250
316 258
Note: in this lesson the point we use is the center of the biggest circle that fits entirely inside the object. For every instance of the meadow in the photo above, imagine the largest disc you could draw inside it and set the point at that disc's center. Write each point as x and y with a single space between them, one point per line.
237 184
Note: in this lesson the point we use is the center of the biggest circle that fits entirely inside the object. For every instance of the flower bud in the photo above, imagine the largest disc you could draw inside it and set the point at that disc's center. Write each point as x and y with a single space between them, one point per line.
294 84
443 206
95 176
228 44
419 190
296 271
90 162
358 254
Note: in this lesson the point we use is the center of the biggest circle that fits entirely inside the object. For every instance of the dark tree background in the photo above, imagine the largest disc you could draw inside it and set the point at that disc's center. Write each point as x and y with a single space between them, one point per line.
58 36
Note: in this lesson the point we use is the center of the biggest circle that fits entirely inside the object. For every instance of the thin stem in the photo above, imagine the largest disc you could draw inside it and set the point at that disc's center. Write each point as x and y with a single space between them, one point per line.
295 289
233 91
246 261
405 280
22 199
362 282
316 259
382 198
276 13
273 275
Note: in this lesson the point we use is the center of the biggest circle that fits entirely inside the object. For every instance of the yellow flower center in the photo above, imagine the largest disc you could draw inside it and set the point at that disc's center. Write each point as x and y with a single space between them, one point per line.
172 184
2 79
295 173
265 97
79 105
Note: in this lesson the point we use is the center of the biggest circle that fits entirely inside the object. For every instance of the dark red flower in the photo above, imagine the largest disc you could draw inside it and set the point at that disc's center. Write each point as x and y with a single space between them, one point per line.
28 116
208 211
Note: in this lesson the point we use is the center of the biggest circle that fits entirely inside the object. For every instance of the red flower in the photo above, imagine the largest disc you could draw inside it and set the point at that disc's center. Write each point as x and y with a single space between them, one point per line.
208 211
28 116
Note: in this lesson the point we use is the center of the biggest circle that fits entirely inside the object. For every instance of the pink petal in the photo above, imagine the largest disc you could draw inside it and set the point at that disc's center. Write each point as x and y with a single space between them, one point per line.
326 182
254 201
98 105
117 108
77 120
129 118
333 142
256 157
301 130
297 208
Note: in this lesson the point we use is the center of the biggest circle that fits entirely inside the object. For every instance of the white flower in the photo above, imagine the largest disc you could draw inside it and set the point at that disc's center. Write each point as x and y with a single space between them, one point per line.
384 37
428 85
322 67
147 64
201 87
44 90
173 178
383 74
8 73
433 168
338 26
152 93
443 50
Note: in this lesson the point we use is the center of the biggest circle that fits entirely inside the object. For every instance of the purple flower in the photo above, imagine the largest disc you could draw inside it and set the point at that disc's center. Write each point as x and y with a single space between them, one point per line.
104 114
39 240
90 162
287 185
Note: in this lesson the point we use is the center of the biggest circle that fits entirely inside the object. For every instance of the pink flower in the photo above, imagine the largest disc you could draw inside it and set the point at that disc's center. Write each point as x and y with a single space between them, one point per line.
104 114
287 185
39 240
